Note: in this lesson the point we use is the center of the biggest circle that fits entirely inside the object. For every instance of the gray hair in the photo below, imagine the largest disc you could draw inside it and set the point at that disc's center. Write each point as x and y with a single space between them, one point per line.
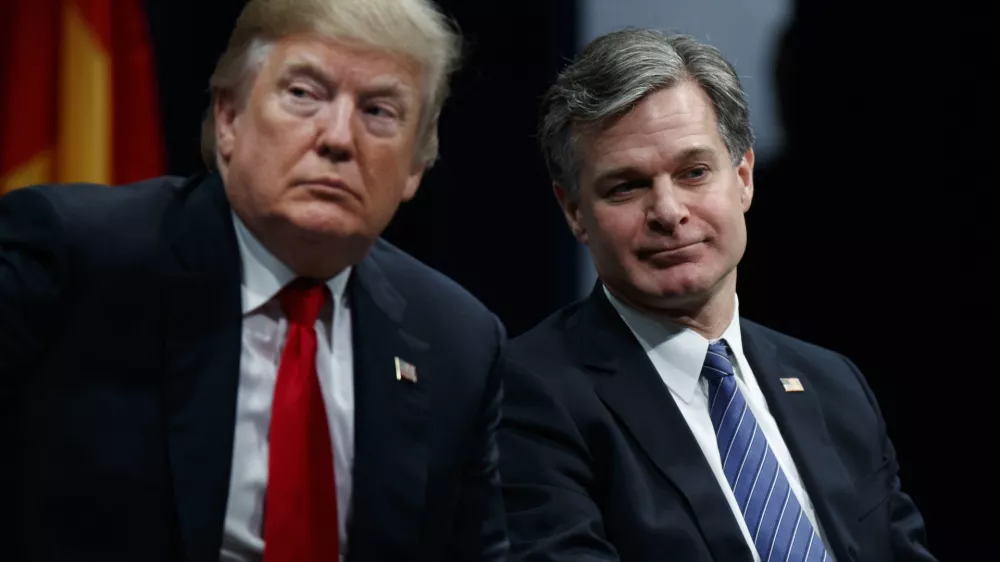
616 71
413 28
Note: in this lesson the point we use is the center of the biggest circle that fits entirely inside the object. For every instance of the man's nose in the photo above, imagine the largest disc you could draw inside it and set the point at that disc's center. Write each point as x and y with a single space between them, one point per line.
336 138
667 209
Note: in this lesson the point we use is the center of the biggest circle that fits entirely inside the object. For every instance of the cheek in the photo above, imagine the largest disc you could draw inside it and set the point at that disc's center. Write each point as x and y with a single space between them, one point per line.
268 133
615 227
612 236
723 219
385 168
717 211
266 151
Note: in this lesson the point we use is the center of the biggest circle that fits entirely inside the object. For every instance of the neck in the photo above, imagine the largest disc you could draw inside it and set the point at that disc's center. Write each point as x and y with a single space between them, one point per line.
310 256
708 315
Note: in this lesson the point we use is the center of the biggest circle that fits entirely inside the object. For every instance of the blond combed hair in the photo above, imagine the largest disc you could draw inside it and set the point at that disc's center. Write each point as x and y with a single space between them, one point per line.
413 28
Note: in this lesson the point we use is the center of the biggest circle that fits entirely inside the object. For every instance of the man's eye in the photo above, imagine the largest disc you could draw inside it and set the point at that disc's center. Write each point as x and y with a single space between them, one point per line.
298 92
626 187
696 173
380 111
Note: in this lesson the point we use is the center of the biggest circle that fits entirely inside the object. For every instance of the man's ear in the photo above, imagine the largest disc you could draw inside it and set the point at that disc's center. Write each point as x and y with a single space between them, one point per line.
420 162
225 115
744 172
413 182
570 205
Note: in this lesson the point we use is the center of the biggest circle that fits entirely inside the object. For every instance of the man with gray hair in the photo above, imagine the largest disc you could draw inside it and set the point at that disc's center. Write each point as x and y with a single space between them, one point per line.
235 366
650 421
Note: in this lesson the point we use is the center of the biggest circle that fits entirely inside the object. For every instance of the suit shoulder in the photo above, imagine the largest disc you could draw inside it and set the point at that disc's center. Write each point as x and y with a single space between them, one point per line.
99 207
425 287
809 351
554 327
544 369
548 346
842 381
102 227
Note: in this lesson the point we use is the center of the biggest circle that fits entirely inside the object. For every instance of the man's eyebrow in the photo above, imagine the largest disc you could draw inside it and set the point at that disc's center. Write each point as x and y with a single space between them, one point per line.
618 173
305 68
387 86
695 153
630 171
381 86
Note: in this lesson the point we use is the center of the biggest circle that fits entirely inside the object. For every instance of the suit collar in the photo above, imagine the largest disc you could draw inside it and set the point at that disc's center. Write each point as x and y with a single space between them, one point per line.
604 335
392 417
203 325
200 209
630 387
804 430
264 275
371 279
677 352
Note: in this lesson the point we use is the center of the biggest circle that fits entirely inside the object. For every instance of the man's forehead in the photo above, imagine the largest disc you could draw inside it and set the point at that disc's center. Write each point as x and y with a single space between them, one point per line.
676 142
337 59
655 124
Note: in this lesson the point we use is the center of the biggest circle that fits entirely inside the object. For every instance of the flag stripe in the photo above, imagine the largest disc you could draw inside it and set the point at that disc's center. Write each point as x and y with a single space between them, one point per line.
136 125
28 63
35 171
84 147
97 15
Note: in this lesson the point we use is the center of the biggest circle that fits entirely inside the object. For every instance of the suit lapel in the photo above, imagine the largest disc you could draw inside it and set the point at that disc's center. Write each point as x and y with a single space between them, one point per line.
391 421
629 385
804 430
203 327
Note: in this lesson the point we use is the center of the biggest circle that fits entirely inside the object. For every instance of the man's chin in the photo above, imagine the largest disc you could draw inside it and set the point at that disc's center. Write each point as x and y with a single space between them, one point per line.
677 281
675 292
325 233
325 221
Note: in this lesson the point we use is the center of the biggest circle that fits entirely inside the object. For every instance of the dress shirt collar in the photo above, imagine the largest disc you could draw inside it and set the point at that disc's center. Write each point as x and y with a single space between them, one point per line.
678 352
264 275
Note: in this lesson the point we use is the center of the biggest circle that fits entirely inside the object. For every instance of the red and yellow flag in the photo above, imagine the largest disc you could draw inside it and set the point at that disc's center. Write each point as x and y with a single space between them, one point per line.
78 98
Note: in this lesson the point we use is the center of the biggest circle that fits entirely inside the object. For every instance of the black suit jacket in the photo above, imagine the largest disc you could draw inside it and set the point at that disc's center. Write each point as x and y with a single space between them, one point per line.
599 464
120 329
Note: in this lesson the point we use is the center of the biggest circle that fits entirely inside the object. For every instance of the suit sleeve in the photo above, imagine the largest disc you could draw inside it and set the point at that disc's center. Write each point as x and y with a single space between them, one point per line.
480 533
32 268
548 481
907 534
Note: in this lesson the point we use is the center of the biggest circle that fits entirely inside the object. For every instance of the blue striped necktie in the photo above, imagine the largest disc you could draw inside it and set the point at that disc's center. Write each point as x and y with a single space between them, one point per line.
779 527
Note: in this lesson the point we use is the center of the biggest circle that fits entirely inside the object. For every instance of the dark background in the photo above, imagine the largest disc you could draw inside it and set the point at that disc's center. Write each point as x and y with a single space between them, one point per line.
869 235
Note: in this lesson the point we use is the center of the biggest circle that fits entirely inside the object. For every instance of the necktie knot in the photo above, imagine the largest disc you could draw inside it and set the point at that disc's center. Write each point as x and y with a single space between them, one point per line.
717 363
302 300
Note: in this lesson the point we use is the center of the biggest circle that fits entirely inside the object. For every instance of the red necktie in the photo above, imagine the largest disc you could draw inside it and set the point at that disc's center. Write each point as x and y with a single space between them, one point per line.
300 511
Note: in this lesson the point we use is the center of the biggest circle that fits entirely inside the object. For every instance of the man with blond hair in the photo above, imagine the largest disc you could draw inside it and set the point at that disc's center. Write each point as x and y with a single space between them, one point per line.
235 366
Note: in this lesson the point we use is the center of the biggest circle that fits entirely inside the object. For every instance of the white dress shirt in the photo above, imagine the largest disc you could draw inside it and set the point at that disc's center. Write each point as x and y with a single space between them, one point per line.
264 329
678 354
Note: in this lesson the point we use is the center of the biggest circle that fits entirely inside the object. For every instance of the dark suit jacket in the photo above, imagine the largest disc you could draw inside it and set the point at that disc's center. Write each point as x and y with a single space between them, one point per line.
598 463
120 328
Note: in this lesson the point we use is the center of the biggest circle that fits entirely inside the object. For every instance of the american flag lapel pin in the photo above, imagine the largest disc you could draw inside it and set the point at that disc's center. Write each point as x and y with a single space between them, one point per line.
792 385
405 371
